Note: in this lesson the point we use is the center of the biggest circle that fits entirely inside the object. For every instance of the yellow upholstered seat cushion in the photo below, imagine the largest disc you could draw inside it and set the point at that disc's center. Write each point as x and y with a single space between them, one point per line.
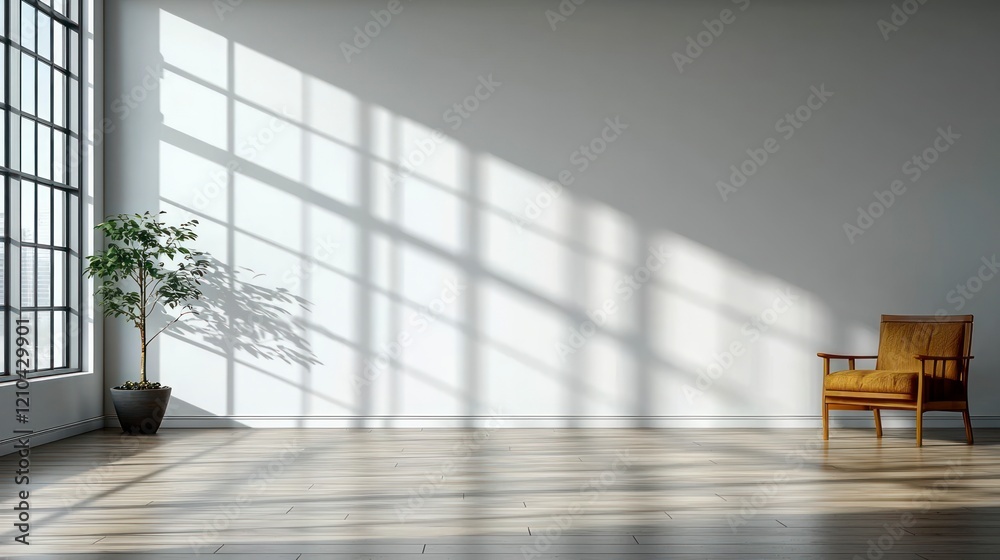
893 381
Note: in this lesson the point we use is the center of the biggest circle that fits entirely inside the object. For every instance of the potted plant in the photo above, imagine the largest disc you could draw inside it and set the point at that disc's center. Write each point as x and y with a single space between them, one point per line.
146 268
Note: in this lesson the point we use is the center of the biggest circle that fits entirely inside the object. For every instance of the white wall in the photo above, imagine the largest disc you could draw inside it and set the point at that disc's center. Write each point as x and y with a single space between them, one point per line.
252 120
66 405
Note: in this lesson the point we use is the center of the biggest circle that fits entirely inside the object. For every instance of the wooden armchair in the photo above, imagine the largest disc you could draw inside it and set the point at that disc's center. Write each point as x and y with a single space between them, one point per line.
922 364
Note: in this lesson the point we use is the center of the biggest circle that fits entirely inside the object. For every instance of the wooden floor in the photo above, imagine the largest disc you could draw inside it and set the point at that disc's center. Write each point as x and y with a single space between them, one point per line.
508 494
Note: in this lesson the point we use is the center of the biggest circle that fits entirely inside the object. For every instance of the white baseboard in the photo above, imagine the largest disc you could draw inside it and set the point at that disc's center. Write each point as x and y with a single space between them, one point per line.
856 420
48 435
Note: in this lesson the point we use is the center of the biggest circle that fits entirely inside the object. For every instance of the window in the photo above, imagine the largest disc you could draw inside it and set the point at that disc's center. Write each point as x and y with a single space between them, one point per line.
40 167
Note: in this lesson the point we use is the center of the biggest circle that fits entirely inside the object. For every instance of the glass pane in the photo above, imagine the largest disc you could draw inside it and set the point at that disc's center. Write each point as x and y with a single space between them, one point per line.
74 10
3 270
58 156
3 74
28 211
59 6
74 110
13 137
43 328
27 26
44 280
12 75
44 91
58 218
27 276
59 279
74 163
58 342
58 44
74 51
3 209
44 152
74 339
43 205
74 234
33 321
59 98
3 138
27 145
27 84
44 35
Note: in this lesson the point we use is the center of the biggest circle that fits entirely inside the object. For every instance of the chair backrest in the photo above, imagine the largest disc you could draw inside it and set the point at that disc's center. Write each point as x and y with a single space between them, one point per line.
902 336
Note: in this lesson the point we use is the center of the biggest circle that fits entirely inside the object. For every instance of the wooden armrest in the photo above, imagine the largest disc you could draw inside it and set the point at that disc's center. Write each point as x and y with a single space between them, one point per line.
845 356
923 358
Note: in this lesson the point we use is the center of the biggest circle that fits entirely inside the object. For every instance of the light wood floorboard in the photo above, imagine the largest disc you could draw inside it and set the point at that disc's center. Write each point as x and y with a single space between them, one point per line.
508 494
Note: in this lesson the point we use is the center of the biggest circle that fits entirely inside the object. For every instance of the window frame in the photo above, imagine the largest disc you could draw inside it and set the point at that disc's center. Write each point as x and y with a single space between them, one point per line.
70 185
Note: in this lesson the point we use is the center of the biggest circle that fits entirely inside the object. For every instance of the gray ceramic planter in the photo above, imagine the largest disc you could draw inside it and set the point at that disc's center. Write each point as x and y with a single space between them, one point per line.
140 412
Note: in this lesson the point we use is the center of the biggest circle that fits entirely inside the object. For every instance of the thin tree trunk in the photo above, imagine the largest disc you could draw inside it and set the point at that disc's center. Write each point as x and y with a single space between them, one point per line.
142 327
142 354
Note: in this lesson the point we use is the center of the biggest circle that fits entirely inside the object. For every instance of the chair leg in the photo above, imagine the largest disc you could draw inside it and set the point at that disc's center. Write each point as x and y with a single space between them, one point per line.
968 425
920 426
878 423
826 421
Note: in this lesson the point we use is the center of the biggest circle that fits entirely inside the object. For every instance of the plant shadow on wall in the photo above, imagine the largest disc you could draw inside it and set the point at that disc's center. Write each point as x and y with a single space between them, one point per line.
238 315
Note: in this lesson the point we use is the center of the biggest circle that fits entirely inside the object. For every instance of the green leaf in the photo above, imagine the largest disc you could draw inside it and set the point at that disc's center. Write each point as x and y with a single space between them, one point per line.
138 269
